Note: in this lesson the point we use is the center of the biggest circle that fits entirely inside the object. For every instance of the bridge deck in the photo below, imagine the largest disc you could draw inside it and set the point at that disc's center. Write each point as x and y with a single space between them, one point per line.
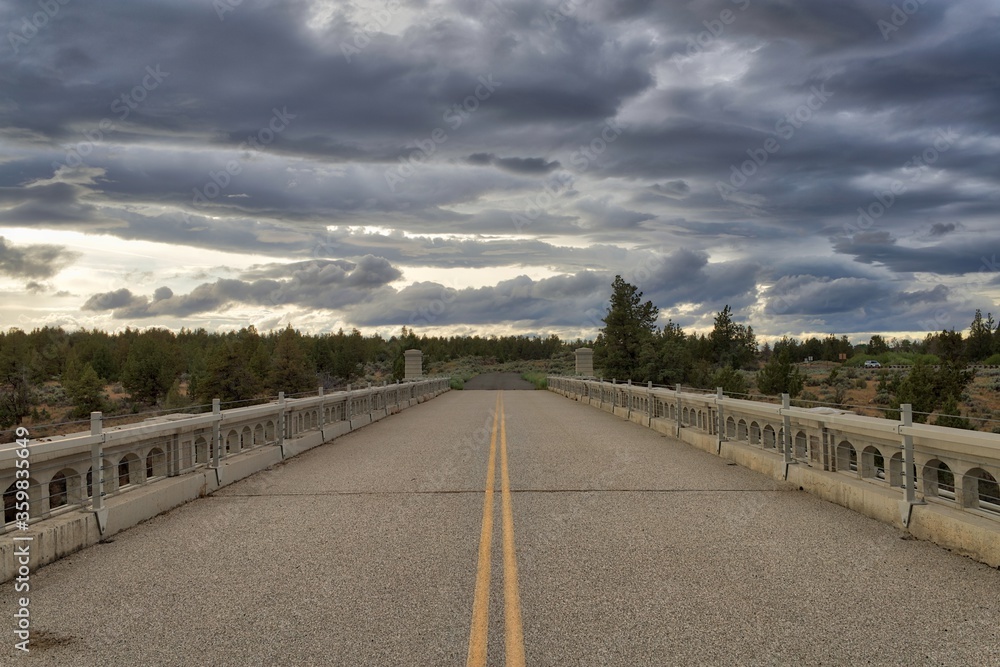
631 549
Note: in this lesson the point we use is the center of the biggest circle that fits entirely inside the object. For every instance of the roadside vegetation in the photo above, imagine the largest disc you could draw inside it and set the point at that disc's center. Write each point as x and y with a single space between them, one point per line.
937 374
52 376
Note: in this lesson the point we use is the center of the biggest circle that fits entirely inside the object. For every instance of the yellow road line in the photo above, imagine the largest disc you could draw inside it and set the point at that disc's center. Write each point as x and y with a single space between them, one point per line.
481 602
514 634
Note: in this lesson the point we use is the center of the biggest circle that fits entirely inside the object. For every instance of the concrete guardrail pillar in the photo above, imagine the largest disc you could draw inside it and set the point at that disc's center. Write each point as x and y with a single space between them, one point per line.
413 367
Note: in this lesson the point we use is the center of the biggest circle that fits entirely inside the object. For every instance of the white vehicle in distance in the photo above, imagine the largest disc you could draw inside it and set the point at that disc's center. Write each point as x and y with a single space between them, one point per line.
871 363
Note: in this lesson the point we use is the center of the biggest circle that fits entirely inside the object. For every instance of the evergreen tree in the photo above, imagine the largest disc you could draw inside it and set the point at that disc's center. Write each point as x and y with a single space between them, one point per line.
15 383
979 345
85 389
877 345
290 372
175 399
627 336
149 369
227 376
675 359
731 381
780 376
732 344
926 388
951 416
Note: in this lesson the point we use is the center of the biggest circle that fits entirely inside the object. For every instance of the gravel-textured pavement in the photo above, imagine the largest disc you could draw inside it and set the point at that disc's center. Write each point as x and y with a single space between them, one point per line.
633 549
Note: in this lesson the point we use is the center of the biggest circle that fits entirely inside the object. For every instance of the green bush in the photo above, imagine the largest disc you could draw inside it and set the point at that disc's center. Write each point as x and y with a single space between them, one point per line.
457 383
992 361
540 380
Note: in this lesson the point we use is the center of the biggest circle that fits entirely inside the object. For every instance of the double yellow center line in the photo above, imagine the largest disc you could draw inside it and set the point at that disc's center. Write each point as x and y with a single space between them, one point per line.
513 632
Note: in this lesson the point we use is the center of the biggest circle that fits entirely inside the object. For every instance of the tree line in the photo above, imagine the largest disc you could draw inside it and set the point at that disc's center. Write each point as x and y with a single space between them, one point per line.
153 365
632 346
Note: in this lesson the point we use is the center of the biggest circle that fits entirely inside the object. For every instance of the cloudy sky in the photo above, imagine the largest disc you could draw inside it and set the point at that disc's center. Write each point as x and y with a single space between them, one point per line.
488 166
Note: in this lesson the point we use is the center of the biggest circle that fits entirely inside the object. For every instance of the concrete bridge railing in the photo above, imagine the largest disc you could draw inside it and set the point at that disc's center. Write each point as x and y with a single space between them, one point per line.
939 483
147 468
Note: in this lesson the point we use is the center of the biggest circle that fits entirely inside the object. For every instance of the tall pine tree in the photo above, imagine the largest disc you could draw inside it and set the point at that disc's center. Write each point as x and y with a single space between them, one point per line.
627 337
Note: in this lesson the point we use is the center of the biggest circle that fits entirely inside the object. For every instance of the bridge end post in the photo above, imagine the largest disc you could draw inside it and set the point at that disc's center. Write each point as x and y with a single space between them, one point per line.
649 403
720 418
909 468
217 438
322 408
677 390
786 440
97 471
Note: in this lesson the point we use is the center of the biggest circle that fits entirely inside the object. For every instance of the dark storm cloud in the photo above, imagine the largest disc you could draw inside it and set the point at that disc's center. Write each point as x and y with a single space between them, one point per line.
957 256
253 132
557 302
534 165
33 261
942 228
677 188
316 283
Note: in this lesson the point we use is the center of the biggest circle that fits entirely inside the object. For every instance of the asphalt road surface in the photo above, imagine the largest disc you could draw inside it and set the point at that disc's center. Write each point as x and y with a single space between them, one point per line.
601 543
495 381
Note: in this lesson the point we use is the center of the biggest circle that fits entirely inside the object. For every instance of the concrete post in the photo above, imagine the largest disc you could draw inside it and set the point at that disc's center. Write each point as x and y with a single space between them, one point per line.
96 460
825 440
721 420
786 403
585 361
909 469
216 431
614 394
649 403
349 409
678 390
628 395
906 419
413 367
601 383
322 410
281 419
